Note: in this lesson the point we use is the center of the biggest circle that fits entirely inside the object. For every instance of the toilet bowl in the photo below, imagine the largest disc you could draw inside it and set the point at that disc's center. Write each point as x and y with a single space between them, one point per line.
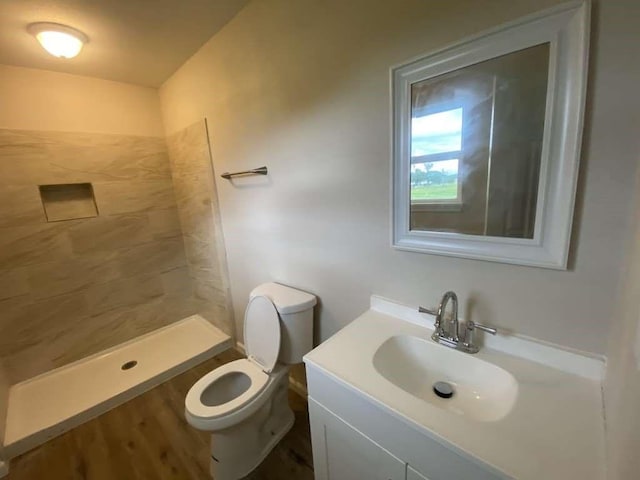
244 404
229 394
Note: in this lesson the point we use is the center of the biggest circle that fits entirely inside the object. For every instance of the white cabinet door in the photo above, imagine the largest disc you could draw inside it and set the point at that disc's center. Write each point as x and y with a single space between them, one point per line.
413 475
342 453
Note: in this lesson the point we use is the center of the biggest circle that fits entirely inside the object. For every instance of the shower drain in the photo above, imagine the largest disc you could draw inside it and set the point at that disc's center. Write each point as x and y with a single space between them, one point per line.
128 365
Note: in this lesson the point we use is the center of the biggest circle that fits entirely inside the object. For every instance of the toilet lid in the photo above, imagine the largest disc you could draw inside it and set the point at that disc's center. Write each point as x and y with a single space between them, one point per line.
262 332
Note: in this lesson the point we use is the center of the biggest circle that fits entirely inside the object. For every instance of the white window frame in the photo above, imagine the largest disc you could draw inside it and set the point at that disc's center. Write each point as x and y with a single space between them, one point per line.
437 204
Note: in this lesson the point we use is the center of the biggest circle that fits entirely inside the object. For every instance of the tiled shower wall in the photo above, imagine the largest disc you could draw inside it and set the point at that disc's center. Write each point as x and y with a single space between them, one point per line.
197 200
74 287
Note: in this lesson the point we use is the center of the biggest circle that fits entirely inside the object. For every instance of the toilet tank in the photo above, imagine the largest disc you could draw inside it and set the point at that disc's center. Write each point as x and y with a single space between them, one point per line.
295 309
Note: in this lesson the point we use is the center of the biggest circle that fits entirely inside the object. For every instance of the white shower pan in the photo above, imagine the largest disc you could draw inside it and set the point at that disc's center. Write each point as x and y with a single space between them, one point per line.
50 404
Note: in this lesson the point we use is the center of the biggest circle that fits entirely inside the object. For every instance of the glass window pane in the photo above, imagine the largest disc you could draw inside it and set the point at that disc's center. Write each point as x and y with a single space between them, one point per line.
436 133
434 181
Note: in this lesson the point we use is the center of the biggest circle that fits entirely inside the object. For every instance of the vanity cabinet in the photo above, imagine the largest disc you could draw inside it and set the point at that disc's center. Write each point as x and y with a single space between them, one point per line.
343 453
353 438
413 475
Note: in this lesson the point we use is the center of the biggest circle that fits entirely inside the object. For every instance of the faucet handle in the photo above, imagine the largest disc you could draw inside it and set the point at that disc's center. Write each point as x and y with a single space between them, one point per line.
472 326
430 311
468 335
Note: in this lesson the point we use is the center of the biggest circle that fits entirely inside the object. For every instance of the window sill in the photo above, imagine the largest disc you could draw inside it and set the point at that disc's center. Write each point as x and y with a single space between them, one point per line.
437 207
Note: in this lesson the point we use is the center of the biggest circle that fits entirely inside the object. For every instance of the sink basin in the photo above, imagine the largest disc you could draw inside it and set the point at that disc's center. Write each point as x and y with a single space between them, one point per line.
482 391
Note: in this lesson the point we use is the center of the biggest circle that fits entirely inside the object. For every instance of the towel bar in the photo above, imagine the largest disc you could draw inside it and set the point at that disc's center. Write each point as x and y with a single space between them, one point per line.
255 171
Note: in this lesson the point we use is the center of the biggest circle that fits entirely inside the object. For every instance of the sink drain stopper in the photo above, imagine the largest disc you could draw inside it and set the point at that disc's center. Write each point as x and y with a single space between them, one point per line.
443 389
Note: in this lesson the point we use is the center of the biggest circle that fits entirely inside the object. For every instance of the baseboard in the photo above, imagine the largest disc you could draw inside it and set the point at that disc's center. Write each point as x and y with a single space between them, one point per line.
240 348
298 387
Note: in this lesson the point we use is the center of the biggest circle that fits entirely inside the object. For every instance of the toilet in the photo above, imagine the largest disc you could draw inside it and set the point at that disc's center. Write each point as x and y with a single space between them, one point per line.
244 404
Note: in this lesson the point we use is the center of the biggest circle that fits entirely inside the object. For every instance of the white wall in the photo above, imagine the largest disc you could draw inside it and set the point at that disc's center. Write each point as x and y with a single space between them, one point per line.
622 385
32 99
303 87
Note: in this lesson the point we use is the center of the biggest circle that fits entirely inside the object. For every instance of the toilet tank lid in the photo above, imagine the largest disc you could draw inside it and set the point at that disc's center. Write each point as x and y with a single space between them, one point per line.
286 299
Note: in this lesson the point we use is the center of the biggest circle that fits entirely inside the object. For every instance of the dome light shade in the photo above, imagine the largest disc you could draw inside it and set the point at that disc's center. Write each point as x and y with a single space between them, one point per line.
59 40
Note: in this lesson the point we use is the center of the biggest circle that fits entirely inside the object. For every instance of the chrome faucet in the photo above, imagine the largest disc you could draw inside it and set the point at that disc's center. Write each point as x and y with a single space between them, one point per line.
452 332
450 335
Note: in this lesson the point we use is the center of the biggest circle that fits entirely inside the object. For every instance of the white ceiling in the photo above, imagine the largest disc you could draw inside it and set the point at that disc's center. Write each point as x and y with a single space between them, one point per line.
134 41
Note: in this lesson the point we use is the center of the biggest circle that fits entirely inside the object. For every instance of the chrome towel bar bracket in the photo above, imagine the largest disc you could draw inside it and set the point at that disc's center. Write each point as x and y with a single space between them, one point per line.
255 171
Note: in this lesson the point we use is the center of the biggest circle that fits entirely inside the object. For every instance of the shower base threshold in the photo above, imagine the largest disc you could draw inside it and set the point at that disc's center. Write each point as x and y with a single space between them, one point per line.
50 404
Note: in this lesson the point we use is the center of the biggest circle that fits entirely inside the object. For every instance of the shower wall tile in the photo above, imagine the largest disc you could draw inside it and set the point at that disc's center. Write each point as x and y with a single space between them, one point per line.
127 292
164 223
177 282
98 270
98 333
217 314
26 364
155 257
130 196
55 278
195 207
208 289
13 283
197 201
32 244
28 324
20 205
104 331
72 288
40 158
104 234
200 253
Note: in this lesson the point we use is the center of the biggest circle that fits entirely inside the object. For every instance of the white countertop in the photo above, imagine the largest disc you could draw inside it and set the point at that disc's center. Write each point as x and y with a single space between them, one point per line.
554 431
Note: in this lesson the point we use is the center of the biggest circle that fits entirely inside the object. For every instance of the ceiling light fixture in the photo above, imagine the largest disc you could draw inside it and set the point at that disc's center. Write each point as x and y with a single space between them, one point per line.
59 40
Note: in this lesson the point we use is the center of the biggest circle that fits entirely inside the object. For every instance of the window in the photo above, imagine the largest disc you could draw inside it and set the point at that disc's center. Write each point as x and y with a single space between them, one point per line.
436 150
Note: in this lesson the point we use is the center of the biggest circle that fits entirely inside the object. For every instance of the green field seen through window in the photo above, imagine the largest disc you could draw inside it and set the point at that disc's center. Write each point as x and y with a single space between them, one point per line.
443 191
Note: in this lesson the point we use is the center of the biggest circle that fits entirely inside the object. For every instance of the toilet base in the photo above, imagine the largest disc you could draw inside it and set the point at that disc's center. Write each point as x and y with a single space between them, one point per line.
238 450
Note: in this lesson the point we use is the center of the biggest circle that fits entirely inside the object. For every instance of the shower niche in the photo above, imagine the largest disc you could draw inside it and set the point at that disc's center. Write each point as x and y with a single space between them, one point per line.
68 201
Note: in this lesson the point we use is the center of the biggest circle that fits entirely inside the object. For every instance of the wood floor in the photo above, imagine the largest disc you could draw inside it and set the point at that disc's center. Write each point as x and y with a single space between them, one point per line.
148 438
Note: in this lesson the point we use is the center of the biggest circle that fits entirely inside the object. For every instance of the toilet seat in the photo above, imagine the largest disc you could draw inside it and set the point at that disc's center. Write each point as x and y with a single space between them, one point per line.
262 334
257 377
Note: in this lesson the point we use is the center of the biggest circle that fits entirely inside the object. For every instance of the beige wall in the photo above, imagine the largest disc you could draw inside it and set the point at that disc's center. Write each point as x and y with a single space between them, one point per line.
303 87
199 214
42 100
622 385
